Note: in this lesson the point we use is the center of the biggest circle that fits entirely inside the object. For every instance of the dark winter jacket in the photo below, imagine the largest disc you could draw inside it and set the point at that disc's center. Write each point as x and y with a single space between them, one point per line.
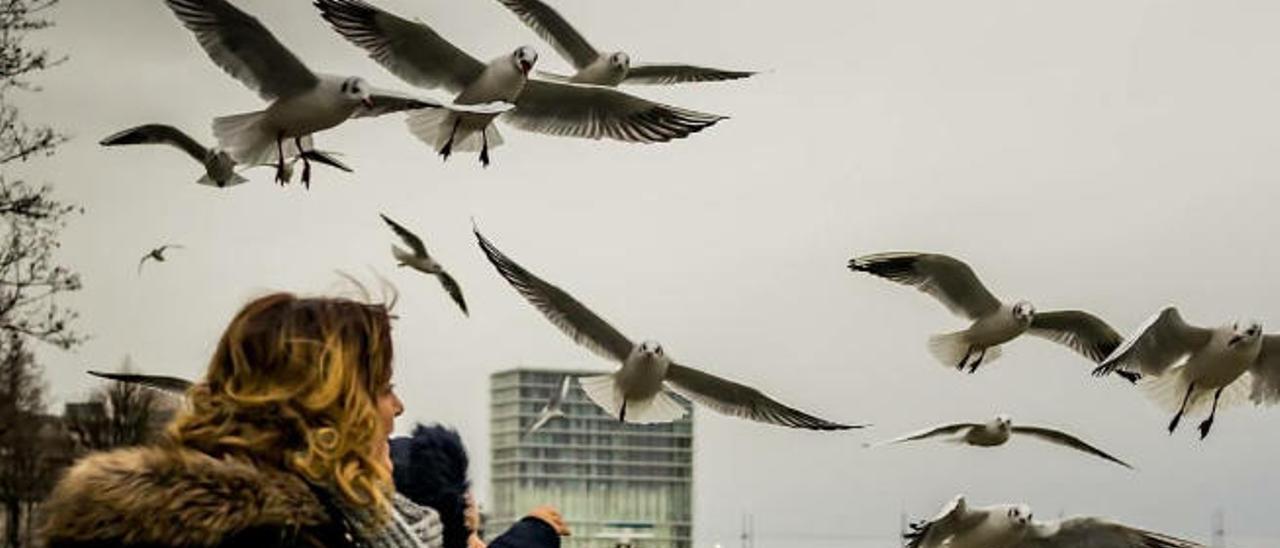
157 497
431 470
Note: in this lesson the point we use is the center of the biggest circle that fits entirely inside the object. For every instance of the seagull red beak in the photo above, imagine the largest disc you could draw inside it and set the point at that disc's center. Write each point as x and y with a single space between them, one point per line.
525 67
368 102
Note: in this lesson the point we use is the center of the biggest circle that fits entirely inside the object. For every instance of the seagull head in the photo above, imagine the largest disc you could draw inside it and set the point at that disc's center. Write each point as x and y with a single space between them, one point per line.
524 58
620 61
1244 332
1020 515
650 349
356 89
1023 311
1003 422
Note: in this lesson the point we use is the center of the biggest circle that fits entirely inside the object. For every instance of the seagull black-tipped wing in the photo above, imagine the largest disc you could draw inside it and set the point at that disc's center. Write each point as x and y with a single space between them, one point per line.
553 28
945 278
163 383
944 430
383 103
158 134
680 74
410 239
244 48
594 112
1162 342
1081 331
1066 440
739 400
1096 533
412 51
455 291
572 317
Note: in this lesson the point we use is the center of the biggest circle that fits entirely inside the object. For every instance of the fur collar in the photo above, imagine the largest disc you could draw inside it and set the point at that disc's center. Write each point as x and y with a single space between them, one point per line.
176 497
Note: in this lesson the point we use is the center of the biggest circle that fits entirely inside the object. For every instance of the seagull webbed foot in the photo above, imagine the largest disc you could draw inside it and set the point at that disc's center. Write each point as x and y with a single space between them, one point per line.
1205 426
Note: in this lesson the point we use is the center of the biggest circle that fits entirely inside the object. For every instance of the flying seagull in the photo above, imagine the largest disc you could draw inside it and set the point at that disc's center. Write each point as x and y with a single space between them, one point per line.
418 259
218 166
605 69
419 56
998 431
1188 362
635 392
157 254
172 385
302 102
553 409
1012 526
994 323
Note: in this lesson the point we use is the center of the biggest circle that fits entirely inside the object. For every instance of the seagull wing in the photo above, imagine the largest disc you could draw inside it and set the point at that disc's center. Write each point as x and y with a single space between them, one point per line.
947 279
158 134
944 430
680 74
1094 532
455 291
1081 331
244 48
142 261
1266 372
159 382
558 396
595 112
572 317
954 519
1162 342
411 51
553 28
385 103
1066 440
543 419
410 239
738 400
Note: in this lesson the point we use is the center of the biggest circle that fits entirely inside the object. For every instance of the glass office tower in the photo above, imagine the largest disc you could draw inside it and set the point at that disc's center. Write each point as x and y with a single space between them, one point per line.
617 484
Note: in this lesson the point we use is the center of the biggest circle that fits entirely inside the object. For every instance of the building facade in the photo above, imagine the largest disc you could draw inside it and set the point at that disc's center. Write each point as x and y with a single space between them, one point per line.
608 478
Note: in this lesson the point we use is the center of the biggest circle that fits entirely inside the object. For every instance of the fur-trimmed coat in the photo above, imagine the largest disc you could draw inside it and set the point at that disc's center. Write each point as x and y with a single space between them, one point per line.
157 497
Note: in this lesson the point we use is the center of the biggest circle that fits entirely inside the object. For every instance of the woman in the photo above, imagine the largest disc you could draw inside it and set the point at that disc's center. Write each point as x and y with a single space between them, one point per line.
284 444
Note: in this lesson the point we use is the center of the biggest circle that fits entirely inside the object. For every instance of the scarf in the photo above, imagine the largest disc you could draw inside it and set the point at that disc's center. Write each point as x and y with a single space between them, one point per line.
411 526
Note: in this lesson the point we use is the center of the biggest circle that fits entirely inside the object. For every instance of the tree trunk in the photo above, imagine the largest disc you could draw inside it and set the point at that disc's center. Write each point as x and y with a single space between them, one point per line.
12 510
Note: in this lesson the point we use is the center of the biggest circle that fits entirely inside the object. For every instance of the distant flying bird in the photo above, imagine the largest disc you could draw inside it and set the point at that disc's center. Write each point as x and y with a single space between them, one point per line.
635 392
419 56
994 323
998 431
1012 526
418 259
218 166
607 69
1188 362
172 385
157 254
302 102
553 409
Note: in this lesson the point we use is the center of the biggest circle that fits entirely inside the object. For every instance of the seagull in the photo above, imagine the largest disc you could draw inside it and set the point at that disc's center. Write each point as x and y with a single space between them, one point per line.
994 323
997 431
418 259
1188 362
302 102
419 56
157 254
608 69
553 407
171 385
1011 526
218 166
635 392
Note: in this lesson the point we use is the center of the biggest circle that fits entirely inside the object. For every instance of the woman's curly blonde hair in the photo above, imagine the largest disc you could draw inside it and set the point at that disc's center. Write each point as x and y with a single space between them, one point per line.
293 384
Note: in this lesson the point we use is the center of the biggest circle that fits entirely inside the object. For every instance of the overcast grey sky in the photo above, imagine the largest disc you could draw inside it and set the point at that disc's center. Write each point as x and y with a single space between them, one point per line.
1110 155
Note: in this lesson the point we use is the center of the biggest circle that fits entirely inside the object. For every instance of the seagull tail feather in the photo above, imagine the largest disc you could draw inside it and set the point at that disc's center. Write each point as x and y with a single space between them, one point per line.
234 180
434 126
950 348
244 138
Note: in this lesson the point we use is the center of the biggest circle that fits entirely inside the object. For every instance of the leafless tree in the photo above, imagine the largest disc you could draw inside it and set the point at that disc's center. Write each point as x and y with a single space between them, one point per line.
118 414
26 462
30 278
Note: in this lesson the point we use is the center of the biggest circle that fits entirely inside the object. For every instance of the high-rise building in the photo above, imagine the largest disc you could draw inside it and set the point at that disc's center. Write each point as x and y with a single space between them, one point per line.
616 484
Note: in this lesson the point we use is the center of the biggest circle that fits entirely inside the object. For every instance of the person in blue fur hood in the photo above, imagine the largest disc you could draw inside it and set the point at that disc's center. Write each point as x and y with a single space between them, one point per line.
430 469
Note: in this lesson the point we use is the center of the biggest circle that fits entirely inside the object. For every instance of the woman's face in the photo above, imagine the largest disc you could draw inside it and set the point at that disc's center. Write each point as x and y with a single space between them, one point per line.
389 407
